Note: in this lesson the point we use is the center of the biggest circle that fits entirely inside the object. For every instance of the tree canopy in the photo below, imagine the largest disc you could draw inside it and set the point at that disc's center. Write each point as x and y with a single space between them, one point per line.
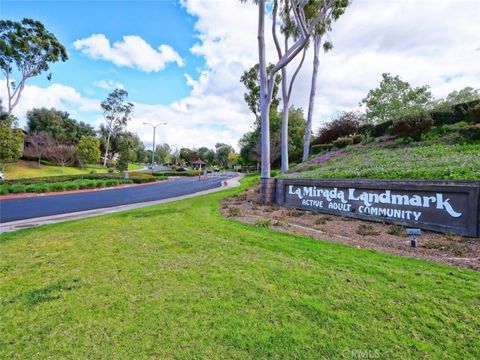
59 124
464 95
250 78
394 98
88 150
30 47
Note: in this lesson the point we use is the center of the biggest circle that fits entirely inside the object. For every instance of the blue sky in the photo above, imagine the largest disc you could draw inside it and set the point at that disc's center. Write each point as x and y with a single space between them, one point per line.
181 60
157 22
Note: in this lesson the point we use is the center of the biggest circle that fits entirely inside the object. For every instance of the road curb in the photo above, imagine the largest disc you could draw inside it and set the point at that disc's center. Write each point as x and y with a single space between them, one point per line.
28 223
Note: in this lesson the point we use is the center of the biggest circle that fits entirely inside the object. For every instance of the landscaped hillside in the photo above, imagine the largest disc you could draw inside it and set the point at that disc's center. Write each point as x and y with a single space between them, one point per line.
437 158
414 161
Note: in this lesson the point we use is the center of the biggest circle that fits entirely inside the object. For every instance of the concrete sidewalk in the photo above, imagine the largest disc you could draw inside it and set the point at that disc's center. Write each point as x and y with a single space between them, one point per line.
27 223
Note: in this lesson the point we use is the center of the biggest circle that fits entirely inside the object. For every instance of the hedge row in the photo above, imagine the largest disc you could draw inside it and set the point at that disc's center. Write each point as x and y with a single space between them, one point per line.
74 185
176 173
63 178
60 186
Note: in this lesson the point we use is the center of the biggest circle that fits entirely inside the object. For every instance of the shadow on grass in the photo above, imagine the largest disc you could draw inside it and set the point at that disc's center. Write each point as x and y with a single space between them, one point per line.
50 292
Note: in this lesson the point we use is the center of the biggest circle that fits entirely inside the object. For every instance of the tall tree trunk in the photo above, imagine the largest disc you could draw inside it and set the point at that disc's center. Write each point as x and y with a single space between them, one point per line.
264 103
311 104
284 137
106 149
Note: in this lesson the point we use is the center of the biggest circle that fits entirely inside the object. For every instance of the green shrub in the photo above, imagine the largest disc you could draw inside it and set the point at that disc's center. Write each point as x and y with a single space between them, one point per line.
357 138
82 186
382 128
17 189
57 187
343 142
319 148
470 133
71 186
111 164
174 173
142 179
442 117
4 190
59 178
93 172
31 188
110 183
397 230
367 230
42 188
263 223
366 129
413 125
473 115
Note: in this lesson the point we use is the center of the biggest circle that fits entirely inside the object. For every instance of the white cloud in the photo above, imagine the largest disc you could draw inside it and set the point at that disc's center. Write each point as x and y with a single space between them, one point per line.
132 52
430 42
57 96
109 84
426 42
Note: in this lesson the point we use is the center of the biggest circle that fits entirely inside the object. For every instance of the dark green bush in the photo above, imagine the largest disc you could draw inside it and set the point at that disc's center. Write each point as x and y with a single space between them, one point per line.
176 173
343 142
142 180
357 138
413 125
366 129
316 149
42 188
61 178
442 117
470 133
57 187
382 128
31 188
82 186
473 115
71 186
17 189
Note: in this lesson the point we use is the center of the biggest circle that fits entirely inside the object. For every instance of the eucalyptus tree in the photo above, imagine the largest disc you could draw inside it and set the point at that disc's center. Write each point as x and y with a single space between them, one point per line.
31 48
306 26
116 112
250 78
322 29
288 30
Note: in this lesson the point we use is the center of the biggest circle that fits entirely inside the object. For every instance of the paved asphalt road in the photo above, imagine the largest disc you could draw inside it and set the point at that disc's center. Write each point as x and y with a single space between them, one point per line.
27 208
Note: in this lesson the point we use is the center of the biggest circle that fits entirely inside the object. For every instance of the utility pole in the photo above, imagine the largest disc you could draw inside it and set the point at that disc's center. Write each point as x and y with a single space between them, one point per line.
153 146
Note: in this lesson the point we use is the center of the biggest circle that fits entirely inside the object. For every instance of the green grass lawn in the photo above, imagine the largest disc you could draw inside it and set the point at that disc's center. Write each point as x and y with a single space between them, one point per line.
180 281
427 160
29 169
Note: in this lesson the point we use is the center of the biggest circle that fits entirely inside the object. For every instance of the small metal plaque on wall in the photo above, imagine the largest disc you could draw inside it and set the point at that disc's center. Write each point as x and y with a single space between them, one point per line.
433 205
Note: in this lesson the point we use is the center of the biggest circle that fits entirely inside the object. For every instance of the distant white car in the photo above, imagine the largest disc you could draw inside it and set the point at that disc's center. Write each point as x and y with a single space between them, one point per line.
1 176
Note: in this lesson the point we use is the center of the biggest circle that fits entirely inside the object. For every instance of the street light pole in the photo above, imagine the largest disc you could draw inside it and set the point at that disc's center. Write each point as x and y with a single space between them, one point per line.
153 146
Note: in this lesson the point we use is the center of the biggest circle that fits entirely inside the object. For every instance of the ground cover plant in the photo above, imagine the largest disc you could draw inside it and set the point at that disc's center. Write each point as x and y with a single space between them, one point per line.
179 280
